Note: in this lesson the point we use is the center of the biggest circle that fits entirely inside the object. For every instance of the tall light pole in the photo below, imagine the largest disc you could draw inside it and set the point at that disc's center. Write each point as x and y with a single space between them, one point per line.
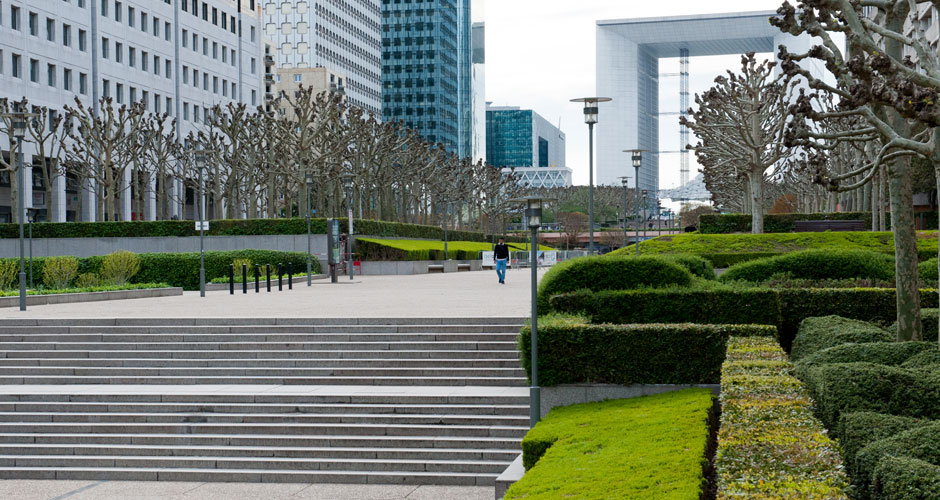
626 183
636 156
200 166
308 180
348 182
32 216
18 122
642 200
590 117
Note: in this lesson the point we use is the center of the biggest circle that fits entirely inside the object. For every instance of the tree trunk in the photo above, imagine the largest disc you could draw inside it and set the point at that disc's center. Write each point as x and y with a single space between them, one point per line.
905 242
756 182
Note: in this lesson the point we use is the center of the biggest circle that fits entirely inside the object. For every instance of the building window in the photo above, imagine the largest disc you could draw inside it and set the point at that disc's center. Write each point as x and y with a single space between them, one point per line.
196 78
215 16
195 42
133 94
167 66
145 99
117 11
156 26
215 85
119 93
143 60
185 108
186 74
166 31
132 57
104 7
106 88
224 22
224 55
34 70
66 35
169 106
254 98
15 17
118 52
253 63
104 47
83 84
50 74
185 38
156 103
156 65
205 11
196 114
131 16
205 46
233 57
225 88
50 30
252 33
298 78
233 90
143 22
205 81
33 24
215 50
67 79
82 40
232 25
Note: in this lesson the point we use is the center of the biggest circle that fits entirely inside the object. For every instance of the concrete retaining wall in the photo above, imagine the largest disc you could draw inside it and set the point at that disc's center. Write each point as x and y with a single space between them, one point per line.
392 268
62 298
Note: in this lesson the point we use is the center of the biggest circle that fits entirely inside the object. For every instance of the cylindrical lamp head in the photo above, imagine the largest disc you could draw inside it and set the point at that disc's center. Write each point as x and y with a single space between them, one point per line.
308 177
200 157
348 181
590 113
644 193
19 127
637 159
534 212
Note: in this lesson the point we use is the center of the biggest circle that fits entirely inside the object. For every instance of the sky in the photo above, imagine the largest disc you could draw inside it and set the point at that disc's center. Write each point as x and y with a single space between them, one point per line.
540 54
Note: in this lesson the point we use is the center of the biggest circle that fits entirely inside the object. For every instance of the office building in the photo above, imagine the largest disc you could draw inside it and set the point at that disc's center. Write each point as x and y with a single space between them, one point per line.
522 139
178 57
478 91
426 70
343 36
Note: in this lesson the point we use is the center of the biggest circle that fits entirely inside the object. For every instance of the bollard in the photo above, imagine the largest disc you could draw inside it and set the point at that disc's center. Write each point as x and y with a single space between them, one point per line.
267 275
290 276
257 277
231 279
280 282
244 278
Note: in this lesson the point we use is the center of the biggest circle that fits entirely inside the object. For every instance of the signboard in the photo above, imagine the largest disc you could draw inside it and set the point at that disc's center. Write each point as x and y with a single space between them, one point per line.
204 225
548 258
489 259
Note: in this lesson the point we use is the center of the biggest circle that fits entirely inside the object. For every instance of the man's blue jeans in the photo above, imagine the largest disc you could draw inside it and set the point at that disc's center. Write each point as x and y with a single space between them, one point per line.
501 269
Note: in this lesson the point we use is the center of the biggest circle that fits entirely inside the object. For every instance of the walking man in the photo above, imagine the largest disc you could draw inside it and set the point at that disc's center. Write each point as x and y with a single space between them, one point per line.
501 254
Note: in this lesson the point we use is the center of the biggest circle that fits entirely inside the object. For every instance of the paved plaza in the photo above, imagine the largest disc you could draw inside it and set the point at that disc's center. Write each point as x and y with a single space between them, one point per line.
464 294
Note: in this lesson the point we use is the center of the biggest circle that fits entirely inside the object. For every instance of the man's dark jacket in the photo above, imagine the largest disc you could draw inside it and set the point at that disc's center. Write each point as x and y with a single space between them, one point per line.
501 251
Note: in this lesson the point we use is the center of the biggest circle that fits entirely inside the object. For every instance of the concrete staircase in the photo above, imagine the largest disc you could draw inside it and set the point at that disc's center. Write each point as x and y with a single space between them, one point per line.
418 401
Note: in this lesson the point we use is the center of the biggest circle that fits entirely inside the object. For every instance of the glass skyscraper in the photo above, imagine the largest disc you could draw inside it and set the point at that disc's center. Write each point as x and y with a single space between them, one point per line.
426 69
522 138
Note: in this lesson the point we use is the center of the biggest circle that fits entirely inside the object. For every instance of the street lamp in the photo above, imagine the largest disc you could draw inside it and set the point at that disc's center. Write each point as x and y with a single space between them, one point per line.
626 182
636 156
19 125
348 183
200 166
590 117
308 180
31 213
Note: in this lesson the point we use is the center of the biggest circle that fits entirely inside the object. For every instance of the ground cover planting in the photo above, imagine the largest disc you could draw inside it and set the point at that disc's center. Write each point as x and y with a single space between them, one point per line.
651 447
372 249
102 288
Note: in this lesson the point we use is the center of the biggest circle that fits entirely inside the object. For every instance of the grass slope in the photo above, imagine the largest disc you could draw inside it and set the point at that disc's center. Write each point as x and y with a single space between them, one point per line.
650 447
701 244
452 246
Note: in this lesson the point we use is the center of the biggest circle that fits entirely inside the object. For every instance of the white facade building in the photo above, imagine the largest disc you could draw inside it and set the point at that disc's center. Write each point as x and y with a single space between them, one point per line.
180 57
478 90
342 35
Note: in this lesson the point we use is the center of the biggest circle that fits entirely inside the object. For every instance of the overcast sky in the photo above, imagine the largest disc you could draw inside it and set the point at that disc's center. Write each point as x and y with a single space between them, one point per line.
540 54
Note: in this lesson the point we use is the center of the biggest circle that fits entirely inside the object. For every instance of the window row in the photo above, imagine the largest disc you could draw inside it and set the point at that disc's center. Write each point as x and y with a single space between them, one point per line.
203 79
132 61
227 53
32 71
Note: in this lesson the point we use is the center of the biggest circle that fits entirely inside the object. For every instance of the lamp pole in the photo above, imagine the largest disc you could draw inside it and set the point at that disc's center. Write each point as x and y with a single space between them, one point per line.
348 183
308 180
201 165
19 124
444 203
590 117
32 215
625 181
636 157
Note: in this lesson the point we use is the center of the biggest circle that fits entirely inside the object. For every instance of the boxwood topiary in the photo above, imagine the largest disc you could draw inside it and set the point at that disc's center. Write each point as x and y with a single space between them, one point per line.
922 443
698 266
925 359
816 334
610 273
816 264
905 478
858 429
885 353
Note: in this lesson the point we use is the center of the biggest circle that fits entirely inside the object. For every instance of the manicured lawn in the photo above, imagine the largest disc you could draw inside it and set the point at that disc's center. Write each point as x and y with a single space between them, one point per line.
452 246
650 447
780 242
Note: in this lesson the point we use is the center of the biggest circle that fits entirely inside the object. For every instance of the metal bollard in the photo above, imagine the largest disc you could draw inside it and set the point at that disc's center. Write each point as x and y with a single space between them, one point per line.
267 275
244 278
231 279
257 277
290 276
280 274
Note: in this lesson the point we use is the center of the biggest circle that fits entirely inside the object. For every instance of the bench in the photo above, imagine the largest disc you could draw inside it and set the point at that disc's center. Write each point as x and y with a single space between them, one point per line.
435 268
463 267
819 226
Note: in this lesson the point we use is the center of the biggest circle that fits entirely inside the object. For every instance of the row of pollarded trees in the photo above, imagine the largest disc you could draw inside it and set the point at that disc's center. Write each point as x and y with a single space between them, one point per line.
864 132
258 162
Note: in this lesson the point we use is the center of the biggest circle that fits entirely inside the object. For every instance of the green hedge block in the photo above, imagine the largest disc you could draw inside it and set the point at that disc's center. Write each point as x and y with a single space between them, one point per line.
782 223
610 273
925 360
645 447
818 333
697 265
883 353
815 265
572 353
858 429
922 443
726 260
849 387
904 478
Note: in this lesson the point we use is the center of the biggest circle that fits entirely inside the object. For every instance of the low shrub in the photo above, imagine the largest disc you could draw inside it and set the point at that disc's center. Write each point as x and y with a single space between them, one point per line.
816 264
769 444
99 288
816 334
884 353
8 272
87 280
698 266
904 478
922 443
650 447
928 270
858 429
119 267
849 387
610 273
572 352
58 272
925 360
779 223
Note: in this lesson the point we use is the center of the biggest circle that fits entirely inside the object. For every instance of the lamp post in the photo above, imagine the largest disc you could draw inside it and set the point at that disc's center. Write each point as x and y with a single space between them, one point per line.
31 213
308 180
200 166
625 181
590 117
348 182
444 208
636 156
18 122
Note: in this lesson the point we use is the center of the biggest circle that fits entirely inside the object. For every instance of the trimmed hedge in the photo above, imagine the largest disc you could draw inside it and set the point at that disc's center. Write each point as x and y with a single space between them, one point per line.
816 264
776 223
182 269
849 387
236 227
927 359
769 444
610 273
650 447
930 319
816 334
574 352
412 250
904 478
86 289
857 430
884 353
922 443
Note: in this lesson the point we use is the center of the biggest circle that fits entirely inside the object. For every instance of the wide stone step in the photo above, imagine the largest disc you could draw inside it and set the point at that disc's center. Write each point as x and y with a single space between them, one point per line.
267 418
259 408
247 475
461 454
258 372
221 380
255 321
255 354
262 329
176 440
366 429
262 337
243 346
260 363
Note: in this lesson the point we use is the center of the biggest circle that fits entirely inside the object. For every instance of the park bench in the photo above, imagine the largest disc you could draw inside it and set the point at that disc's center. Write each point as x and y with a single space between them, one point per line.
819 226
435 268
463 267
